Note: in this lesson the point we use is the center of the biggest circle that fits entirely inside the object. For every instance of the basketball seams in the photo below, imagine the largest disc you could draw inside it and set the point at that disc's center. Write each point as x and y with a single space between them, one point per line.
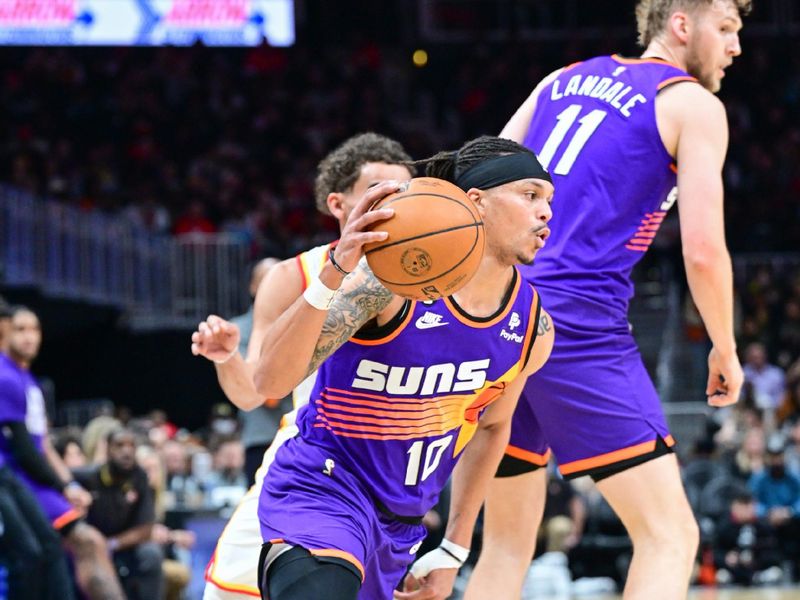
424 235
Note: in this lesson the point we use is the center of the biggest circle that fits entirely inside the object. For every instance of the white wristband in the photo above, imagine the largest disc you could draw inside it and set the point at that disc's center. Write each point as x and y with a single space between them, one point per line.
447 556
227 358
458 552
319 295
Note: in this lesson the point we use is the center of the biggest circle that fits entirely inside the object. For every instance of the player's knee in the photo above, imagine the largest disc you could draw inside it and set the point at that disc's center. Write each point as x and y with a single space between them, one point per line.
679 534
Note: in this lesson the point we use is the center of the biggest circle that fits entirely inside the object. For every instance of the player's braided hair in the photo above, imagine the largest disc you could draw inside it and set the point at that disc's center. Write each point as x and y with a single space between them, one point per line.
652 15
450 164
340 169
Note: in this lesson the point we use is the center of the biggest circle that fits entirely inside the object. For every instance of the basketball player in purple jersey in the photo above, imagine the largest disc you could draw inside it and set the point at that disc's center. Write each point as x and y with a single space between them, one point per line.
405 387
26 449
618 135
343 176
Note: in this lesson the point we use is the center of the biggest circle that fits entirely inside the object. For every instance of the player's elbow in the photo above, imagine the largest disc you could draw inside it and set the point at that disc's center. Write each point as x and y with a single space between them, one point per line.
268 385
704 256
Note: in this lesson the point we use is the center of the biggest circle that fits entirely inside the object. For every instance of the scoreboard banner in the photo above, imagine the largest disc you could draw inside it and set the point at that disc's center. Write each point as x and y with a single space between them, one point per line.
146 22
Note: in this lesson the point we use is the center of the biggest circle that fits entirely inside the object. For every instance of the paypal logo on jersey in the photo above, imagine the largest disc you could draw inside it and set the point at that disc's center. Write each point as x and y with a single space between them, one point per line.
513 323
447 377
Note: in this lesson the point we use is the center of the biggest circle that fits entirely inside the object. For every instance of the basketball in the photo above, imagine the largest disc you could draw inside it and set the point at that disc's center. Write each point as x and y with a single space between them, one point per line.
435 244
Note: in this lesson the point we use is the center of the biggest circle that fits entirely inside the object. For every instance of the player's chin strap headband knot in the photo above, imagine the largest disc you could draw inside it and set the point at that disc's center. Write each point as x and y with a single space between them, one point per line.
502 169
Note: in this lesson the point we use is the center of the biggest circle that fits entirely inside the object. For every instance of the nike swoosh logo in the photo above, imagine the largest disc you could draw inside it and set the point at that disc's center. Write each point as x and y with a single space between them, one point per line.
423 325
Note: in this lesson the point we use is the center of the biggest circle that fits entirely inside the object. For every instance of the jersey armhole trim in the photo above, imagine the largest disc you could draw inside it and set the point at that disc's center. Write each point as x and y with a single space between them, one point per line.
673 80
388 331
533 325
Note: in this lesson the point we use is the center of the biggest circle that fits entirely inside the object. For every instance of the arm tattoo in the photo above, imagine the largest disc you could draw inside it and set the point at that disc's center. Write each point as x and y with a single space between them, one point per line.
361 302
544 325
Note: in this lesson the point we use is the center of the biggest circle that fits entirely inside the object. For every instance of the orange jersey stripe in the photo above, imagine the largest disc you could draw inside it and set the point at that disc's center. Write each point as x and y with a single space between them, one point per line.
672 80
236 588
612 457
395 416
530 333
389 419
65 519
638 61
411 406
539 460
422 430
372 436
340 554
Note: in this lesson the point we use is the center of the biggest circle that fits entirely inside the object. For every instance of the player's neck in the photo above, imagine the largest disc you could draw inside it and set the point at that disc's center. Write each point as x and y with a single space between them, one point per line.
482 296
663 50
20 362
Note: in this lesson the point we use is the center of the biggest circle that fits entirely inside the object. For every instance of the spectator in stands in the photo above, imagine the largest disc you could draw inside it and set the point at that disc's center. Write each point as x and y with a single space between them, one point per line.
733 422
749 459
182 486
260 424
791 455
176 543
69 449
564 515
746 549
227 483
769 381
94 438
123 510
789 333
777 494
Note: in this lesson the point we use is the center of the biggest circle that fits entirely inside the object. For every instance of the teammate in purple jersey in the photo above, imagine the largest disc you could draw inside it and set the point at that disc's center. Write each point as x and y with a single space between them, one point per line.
618 135
405 387
27 451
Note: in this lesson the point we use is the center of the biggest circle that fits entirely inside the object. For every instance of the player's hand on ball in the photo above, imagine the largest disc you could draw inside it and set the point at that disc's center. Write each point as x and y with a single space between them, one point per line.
216 339
355 233
725 379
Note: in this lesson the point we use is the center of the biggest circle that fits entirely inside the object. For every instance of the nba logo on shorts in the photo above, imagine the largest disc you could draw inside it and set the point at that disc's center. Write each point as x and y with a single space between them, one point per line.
514 321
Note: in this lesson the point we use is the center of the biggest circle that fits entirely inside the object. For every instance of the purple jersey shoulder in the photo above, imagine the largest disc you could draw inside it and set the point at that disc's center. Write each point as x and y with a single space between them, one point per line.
594 128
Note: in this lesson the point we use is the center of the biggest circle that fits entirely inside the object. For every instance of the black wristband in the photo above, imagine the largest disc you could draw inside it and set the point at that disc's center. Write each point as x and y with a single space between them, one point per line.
335 264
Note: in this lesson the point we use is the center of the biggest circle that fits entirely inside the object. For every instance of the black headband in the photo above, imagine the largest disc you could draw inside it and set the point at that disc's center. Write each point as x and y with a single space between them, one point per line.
502 169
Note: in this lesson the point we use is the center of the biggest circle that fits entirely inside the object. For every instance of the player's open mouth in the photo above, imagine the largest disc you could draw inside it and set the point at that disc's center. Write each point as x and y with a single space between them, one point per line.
543 234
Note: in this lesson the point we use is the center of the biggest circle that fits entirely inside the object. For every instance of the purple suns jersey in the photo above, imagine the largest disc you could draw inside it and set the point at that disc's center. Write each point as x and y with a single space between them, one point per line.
396 411
21 400
594 128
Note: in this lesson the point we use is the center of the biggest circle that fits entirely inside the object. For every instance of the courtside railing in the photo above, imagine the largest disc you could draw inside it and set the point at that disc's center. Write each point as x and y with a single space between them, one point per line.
90 256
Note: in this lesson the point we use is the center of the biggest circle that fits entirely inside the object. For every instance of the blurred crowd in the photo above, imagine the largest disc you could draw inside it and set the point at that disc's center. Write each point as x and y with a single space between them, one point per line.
207 140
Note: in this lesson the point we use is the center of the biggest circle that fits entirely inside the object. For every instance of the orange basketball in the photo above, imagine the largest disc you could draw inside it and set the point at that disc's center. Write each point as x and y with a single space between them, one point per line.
435 242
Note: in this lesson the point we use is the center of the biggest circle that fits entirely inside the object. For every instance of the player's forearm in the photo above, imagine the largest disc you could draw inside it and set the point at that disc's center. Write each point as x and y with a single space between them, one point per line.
236 379
289 344
471 479
710 276
131 537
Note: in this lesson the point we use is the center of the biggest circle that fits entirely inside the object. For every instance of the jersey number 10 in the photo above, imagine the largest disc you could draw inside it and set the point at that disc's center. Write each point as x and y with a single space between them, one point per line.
566 118
433 455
